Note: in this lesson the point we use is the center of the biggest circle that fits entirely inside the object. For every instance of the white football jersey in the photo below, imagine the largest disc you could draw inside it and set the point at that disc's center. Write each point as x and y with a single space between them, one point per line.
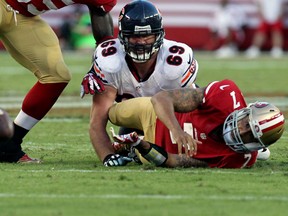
175 68
271 10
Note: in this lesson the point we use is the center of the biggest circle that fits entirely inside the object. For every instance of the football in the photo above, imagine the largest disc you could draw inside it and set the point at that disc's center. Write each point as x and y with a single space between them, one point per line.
6 126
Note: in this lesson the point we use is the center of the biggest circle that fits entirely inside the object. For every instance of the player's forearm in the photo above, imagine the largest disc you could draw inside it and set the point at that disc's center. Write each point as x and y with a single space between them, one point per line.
101 142
102 25
98 122
98 134
164 110
160 157
175 160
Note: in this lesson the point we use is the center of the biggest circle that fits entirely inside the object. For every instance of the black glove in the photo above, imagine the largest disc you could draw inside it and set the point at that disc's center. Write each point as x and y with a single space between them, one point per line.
116 160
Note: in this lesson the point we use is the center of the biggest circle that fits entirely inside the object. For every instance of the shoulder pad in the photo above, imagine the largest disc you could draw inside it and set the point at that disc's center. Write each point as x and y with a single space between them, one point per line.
109 56
176 59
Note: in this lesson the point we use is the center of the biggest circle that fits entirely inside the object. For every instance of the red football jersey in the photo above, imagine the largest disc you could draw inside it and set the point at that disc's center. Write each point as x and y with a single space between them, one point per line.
36 7
205 124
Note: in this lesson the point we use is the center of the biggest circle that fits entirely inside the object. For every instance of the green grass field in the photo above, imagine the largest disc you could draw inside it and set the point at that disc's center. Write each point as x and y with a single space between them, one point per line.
72 181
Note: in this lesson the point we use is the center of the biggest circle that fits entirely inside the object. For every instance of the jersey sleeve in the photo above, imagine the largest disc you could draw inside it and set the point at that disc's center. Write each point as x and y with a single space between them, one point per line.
189 76
179 62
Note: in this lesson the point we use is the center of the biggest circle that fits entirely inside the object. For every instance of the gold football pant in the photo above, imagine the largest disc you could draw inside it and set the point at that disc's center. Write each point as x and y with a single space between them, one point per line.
33 43
135 113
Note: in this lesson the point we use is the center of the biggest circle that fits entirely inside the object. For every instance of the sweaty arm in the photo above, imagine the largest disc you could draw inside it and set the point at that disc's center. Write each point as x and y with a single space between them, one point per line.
98 122
165 103
102 24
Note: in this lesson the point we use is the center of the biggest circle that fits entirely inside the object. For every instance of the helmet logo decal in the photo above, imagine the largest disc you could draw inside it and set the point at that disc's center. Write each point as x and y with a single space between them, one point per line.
272 123
260 104
273 118
146 29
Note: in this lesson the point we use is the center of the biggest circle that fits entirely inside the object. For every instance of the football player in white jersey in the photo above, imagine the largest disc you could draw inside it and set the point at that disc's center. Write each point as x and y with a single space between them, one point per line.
139 63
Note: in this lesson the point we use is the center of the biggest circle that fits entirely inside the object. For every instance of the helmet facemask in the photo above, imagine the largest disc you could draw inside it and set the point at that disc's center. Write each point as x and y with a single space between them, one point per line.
232 135
142 52
266 124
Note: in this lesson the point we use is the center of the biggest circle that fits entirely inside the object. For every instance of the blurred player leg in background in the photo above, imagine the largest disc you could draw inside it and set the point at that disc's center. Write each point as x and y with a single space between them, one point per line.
271 24
227 28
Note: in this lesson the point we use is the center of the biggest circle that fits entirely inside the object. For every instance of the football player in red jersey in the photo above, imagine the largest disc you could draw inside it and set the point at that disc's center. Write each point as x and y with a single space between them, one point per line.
210 126
34 45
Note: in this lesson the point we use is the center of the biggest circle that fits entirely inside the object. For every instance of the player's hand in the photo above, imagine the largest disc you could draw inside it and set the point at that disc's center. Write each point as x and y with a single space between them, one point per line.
185 140
116 160
91 84
131 138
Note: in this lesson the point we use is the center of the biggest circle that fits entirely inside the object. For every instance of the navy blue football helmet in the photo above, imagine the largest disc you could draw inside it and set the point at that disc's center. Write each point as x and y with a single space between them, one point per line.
140 18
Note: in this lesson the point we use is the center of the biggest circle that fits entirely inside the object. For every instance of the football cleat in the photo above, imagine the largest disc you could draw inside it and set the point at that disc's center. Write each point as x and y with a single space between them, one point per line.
252 52
276 52
26 159
263 154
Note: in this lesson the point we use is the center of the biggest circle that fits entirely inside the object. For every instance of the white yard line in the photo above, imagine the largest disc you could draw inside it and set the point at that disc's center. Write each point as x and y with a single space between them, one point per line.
63 102
75 102
18 70
194 171
144 196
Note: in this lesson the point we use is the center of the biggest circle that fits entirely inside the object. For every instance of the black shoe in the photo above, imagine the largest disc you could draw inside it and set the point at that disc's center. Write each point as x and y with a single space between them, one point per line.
14 157
10 152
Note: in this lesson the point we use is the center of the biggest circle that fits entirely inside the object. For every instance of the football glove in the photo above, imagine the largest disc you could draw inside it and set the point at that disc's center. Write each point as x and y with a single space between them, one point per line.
116 160
91 84
130 139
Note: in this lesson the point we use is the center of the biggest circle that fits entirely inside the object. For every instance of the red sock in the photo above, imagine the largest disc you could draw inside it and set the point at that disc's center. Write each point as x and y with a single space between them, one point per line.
41 98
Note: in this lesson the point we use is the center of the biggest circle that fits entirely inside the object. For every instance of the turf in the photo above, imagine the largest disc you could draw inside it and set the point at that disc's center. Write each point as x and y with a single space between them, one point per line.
72 181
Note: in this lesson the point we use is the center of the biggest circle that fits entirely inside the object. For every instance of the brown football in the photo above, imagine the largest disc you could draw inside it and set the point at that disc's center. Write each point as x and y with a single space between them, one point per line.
6 126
